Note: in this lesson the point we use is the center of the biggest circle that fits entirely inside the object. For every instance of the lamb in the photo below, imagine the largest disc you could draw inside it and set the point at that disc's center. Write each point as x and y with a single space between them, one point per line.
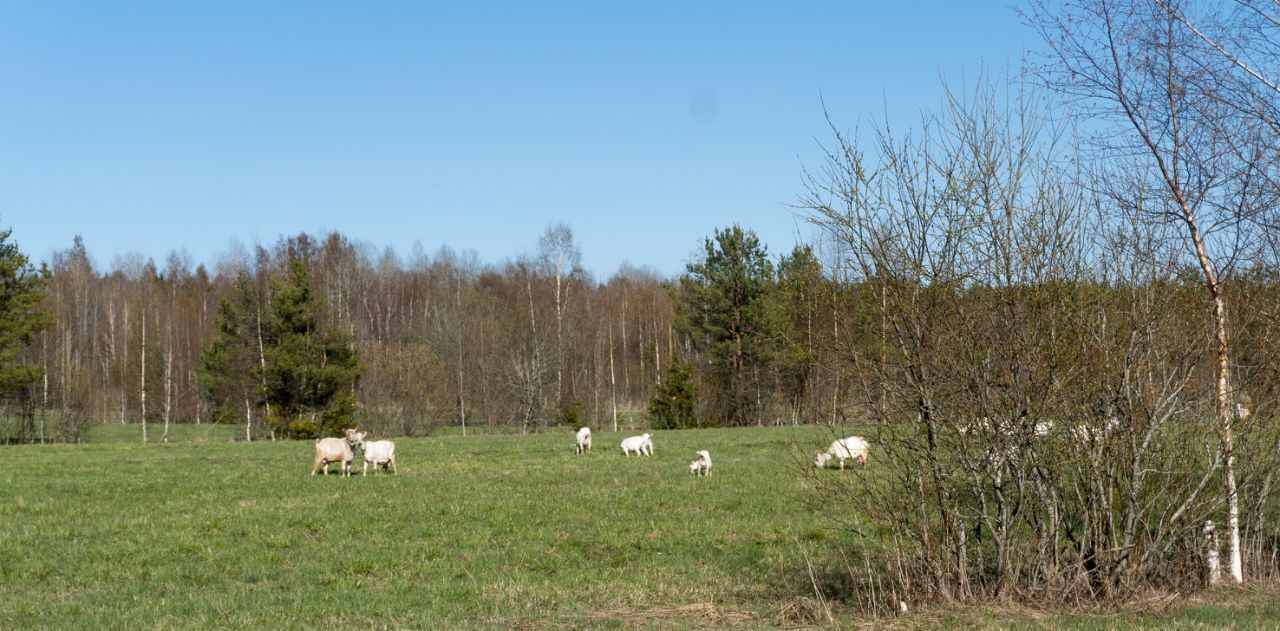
641 445
701 466
583 440
854 447
338 450
379 453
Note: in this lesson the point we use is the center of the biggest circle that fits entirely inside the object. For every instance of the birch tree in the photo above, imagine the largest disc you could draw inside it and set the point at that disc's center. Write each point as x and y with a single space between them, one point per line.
1193 158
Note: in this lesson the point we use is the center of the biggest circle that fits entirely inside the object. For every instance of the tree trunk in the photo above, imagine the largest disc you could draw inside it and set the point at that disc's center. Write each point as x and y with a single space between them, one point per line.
143 375
44 400
1225 409
613 384
168 393
262 363
462 399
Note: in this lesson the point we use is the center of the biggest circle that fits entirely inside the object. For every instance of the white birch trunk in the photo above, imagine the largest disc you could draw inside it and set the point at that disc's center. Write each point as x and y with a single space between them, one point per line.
613 385
142 372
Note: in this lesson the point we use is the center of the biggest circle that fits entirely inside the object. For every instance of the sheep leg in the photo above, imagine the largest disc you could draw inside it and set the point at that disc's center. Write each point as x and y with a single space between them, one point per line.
316 466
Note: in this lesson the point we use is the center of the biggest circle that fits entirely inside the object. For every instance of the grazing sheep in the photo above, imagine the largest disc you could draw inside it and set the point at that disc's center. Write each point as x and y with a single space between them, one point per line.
980 425
583 440
1093 433
641 445
853 447
379 453
337 450
701 466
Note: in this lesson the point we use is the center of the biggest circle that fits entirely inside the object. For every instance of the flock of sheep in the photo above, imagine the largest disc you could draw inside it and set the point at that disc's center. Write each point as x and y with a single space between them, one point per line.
382 453
642 445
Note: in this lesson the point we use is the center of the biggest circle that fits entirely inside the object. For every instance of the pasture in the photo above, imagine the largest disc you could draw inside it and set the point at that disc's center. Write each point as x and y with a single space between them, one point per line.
488 531
476 532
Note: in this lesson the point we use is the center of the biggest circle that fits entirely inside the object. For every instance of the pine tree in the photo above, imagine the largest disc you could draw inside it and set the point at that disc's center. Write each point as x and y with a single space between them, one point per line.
230 373
310 372
795 314
722 307
672 405
21 314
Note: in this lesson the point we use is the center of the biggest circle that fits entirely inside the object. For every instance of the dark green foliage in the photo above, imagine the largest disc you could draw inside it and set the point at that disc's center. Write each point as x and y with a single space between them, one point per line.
300 381
672 405
722 307
571 415
21 314
230 371
795 305
311 371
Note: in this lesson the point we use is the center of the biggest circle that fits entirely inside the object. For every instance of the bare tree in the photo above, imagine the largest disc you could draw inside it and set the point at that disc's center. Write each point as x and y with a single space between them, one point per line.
561 258
1200 161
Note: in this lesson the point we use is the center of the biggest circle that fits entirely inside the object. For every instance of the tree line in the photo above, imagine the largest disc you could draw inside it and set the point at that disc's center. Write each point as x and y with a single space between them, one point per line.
304 336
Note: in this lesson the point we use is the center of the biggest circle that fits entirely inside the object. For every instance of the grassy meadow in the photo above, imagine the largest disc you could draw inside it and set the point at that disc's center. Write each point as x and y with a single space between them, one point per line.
488 530
480 531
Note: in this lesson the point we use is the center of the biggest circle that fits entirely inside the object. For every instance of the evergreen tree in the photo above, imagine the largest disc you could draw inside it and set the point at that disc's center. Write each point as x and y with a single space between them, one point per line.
230 372
722 307
21 315
311 372
672 405
798 298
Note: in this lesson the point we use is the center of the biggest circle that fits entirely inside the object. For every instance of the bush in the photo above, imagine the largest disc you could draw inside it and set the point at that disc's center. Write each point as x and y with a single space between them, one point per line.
571 415
301 429
672 405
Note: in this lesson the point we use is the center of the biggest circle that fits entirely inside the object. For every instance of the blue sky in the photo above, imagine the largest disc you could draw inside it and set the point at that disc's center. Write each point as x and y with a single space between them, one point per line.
155 126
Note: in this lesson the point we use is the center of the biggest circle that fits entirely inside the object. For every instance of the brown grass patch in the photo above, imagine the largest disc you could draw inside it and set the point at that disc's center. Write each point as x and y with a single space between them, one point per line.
702 615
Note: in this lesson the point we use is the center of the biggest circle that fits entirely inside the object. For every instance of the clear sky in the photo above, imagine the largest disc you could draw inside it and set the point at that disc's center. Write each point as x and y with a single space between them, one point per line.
155 126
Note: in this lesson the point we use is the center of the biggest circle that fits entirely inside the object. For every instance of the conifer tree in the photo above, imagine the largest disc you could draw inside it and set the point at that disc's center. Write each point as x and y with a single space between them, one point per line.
672 405
311 371
230 372
722 307
21 314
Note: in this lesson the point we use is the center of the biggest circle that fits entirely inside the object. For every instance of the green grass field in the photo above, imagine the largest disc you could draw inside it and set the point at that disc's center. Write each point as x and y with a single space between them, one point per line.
488 531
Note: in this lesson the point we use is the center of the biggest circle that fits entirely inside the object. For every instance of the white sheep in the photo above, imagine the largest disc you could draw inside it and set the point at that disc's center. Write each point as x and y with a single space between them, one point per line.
379 453
853 447
641 445
337 450
702 465
1087 433
582 441
979 425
